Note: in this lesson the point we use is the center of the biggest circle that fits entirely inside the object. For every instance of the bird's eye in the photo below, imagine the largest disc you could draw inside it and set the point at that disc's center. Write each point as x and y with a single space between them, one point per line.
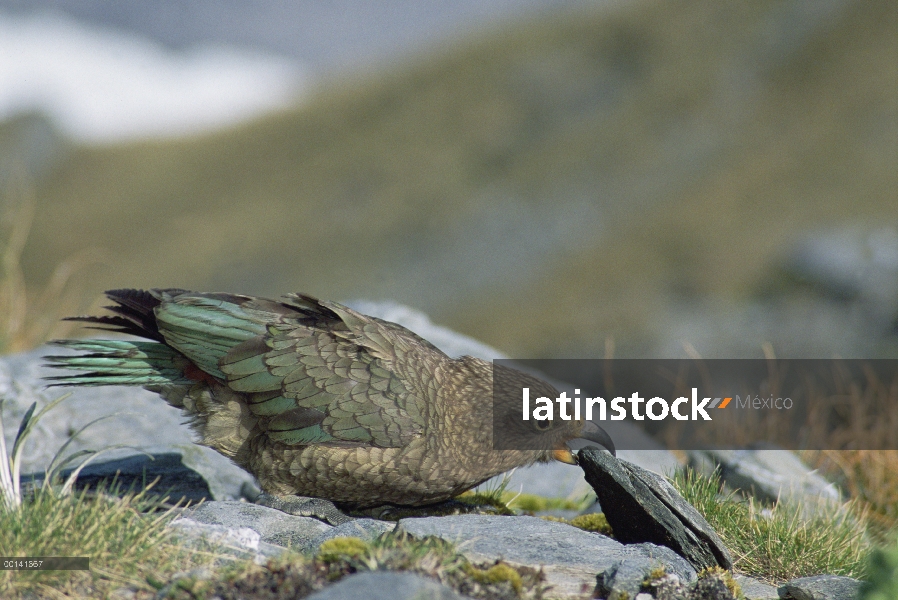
543 425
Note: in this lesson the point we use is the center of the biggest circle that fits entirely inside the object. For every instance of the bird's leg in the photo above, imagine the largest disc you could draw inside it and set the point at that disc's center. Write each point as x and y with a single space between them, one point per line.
304 506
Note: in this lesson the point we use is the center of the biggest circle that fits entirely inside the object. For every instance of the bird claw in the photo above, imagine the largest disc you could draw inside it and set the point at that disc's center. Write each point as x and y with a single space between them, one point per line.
389 512
304 506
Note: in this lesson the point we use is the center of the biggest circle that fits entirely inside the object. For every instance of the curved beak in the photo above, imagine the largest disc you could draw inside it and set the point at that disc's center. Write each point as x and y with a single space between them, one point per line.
592 433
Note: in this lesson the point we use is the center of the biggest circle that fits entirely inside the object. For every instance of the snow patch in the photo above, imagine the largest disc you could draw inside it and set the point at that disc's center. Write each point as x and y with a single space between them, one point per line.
101 85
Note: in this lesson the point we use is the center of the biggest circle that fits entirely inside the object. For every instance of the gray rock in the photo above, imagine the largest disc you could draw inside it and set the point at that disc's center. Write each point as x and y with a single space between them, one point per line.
241 542
366 529
821 587
384 585
852 262
754 589
641 506
272 526
662 556
668 587
662 462
769 475
552 480
624 580
712 588
570 558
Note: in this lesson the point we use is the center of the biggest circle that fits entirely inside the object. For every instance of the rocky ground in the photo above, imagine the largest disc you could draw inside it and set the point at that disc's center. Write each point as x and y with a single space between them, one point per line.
576 563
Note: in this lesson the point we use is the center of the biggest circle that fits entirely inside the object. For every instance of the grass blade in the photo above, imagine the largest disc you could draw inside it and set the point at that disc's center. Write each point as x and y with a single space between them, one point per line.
7 490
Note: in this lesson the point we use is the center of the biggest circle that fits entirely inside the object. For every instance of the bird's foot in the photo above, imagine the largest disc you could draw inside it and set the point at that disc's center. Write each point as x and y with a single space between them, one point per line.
303 506
391 512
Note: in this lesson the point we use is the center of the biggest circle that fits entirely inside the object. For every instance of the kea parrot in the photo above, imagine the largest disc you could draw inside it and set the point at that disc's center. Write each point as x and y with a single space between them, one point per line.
329 409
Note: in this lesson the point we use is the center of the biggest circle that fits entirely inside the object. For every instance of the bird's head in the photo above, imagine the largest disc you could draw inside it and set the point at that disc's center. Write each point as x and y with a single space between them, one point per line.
549 437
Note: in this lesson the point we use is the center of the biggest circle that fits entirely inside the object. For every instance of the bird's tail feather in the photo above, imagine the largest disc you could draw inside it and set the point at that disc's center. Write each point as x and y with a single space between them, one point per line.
118 362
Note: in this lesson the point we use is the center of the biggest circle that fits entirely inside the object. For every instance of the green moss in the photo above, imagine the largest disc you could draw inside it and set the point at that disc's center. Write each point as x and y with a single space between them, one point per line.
595 522
485 499
592 522
192 586
497 574
510 503
339 548
726 576
534 503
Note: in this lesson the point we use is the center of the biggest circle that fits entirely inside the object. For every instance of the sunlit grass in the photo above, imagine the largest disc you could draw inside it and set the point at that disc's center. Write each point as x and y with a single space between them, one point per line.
865 413
783 541
870 477
126 541
123 535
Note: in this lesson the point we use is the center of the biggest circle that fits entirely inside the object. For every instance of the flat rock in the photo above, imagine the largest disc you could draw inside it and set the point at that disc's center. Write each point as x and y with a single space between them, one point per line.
242 542
851 262
571 559
272 526
756 590
769 475
821 587
642 506
385 585
624 580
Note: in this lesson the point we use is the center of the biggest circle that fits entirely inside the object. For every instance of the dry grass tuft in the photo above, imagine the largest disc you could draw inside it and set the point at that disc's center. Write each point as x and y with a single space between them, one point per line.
27 320
870 477
781 542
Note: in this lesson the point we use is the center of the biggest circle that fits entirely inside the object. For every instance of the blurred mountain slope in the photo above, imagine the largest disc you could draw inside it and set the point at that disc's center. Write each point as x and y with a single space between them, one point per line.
539 188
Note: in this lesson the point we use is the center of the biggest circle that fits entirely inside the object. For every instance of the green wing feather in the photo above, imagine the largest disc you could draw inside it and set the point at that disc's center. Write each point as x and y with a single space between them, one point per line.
118 362
312 371
316 371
